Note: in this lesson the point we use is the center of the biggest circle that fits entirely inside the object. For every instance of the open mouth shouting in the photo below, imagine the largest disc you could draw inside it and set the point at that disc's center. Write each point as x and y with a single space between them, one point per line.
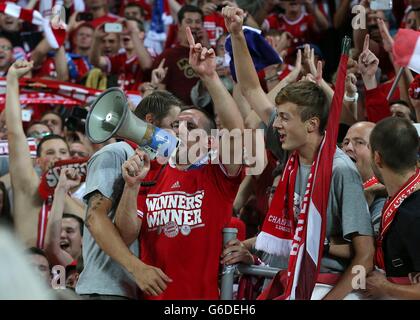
282 137
64 245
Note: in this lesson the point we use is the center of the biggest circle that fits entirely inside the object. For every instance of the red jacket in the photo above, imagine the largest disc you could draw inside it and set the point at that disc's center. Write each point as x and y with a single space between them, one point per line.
376 104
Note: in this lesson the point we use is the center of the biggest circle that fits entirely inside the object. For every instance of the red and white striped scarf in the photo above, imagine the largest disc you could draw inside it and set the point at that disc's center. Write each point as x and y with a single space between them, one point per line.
49 181
4 147
55 35
390 210
306 238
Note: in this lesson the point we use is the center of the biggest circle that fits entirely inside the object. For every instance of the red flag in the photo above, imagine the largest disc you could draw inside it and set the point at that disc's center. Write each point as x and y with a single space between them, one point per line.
406 49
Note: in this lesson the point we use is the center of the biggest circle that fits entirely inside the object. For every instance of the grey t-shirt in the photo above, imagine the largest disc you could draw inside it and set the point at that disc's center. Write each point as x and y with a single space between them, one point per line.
4 166
102 275
347 211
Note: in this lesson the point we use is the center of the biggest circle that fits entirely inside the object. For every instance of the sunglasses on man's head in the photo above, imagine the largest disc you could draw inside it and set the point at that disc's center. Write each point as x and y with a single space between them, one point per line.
39 135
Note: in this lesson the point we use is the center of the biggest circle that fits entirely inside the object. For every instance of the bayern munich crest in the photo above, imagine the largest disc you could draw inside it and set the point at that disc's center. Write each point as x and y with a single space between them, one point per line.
171 229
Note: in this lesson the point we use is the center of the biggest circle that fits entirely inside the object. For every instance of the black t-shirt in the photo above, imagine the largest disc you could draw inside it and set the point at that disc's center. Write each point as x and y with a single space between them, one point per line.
402 241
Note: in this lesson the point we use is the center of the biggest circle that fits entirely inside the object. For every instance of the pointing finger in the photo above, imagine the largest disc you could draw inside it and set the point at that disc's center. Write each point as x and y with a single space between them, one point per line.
299 59
366 44
162 63
319 71
211 52
190 37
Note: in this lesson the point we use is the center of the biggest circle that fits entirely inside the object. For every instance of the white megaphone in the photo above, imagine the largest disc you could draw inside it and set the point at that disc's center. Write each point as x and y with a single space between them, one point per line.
110 117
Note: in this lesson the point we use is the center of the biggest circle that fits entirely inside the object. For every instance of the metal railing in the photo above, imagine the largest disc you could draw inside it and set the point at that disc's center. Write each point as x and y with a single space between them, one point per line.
228 274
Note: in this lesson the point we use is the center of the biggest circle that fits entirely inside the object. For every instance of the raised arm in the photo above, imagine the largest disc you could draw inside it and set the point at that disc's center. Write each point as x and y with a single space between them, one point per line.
368 65
244 66
342 14
321 22
388 44
203 61
95 57
40 52
290 78
56 255
23 175
61 65
359 34
137 36
174 7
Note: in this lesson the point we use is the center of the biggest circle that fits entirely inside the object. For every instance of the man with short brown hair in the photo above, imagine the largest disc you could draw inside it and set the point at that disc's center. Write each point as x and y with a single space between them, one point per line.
27 203
394 146
301 117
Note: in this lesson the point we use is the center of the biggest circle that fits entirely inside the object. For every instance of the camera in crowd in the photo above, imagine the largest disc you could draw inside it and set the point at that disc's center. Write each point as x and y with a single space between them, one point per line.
76 120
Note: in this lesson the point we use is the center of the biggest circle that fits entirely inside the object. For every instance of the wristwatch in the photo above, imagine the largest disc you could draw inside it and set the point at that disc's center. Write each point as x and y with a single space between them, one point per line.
351 99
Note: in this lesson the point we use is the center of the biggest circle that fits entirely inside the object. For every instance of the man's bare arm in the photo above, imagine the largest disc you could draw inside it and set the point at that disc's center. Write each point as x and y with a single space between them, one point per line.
244 66
363 256
126 220
55 254
104 232
95 57
203 62
22 173
143 56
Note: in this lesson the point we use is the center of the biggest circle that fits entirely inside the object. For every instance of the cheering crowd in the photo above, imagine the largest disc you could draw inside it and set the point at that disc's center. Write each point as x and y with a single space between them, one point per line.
336 206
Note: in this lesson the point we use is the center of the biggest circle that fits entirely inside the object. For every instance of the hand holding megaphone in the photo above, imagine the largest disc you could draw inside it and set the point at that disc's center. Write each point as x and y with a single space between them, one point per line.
136 168
110 117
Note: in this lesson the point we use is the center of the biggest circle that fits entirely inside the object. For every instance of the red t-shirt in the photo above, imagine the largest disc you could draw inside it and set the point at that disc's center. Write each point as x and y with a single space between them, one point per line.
215 27
181 77
240 225
48 70
129 71
183 218
301 29
82 68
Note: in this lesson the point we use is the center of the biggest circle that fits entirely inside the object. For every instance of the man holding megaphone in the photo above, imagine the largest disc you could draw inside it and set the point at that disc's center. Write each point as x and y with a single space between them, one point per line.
104 250
179 219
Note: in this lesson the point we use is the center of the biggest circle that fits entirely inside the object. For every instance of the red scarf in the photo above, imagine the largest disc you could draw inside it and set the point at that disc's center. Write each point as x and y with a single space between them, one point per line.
4 147
278 229
49 181
390 210
370 183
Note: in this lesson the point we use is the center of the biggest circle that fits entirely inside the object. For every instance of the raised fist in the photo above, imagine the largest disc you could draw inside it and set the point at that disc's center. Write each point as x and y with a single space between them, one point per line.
234 19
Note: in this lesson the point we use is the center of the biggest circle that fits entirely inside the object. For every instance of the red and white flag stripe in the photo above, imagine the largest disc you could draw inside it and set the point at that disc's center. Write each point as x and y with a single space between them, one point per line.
54 35
407 49
4 148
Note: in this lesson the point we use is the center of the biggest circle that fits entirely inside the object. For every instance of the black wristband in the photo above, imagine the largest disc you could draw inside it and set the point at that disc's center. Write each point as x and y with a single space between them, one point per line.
326 248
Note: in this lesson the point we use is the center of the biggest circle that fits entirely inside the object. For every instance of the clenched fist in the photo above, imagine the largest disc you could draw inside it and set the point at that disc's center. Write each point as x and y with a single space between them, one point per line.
19 68
234 19
135 169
